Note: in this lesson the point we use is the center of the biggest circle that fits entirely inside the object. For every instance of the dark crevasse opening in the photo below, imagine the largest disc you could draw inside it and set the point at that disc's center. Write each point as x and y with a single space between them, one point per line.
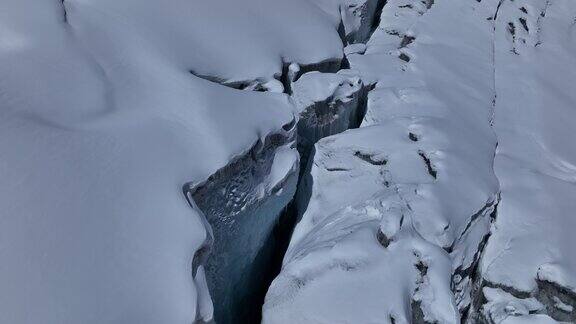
271 260
241 203
279 240
250 236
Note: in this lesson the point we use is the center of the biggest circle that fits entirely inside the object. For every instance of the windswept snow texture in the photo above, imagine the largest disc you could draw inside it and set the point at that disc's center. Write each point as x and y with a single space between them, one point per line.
327 103
102 123
416 216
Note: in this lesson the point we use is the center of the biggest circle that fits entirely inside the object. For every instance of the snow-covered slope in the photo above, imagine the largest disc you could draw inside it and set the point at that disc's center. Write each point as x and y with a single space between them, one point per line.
148 150
531 251
102 124
400 211
224 40
400 204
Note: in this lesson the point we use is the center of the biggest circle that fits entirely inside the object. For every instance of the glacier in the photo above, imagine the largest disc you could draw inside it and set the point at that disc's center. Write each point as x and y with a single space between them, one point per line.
442 206
155 157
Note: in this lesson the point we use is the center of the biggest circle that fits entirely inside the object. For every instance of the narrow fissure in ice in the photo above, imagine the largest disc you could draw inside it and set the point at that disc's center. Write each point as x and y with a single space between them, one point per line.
252 218
251 226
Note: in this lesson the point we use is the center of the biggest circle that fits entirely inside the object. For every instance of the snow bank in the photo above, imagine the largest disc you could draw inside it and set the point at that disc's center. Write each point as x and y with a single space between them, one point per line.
102 123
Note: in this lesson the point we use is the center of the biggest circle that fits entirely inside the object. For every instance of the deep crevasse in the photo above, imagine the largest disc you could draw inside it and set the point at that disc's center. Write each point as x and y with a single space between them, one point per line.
104 117
102 124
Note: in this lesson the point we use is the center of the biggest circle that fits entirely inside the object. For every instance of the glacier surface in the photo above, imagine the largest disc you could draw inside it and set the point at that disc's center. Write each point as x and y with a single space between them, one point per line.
151 152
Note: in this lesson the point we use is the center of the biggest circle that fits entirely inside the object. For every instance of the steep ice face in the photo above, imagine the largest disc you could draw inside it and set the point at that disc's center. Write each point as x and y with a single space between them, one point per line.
327 103
357 18
242 203
360 18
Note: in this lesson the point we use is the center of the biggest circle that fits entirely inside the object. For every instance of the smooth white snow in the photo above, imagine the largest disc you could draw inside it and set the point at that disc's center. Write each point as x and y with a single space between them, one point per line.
102 124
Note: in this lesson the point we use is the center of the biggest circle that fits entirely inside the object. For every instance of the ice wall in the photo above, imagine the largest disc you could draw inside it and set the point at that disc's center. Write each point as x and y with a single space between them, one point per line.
242 203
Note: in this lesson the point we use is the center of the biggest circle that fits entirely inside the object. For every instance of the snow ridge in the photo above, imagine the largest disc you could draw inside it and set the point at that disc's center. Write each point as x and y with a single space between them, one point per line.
426 190
444 88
